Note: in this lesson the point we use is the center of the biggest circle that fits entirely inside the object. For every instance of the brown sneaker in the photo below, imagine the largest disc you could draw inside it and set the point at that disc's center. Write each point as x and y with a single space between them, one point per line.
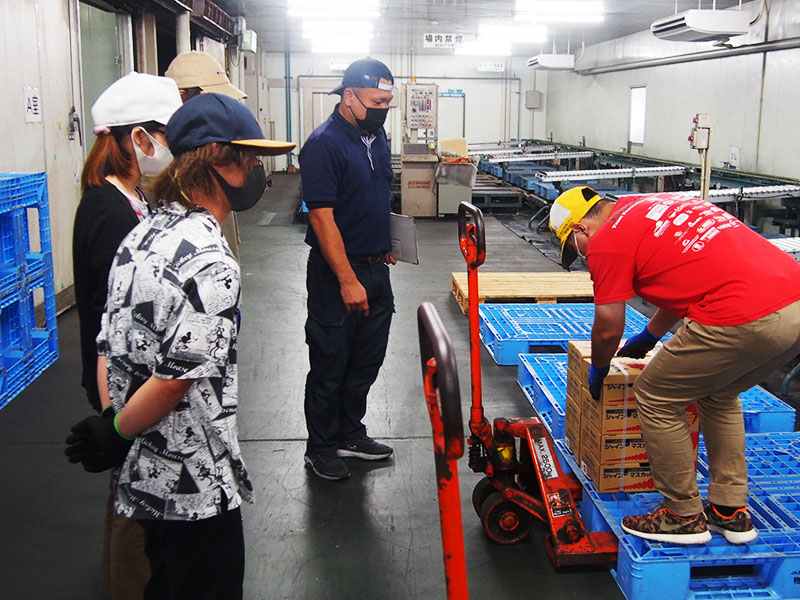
737 529
663 525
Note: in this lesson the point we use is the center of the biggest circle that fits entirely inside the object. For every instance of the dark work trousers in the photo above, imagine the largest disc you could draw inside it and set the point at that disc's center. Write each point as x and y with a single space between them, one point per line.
346 351
195 560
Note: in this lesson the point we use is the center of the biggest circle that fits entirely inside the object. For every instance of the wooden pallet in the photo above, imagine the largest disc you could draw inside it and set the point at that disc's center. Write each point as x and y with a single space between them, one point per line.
510 287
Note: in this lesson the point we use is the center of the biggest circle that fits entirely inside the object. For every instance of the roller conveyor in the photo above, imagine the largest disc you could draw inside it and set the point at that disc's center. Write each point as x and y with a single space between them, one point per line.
542 156
586 175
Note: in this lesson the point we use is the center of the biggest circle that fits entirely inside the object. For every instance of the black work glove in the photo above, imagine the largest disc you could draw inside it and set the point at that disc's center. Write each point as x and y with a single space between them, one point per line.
639 345
95 443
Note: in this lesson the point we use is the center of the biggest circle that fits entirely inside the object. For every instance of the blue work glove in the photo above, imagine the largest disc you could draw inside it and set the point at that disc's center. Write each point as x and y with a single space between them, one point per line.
596 376
639 345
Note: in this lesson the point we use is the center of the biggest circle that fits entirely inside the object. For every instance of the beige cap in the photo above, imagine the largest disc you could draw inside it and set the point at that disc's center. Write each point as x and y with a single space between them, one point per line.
201 70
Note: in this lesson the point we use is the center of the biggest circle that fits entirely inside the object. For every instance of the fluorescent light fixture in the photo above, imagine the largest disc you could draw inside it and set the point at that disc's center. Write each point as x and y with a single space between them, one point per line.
318 27
333 13
521 34
334 9
485 47
563 11
339 46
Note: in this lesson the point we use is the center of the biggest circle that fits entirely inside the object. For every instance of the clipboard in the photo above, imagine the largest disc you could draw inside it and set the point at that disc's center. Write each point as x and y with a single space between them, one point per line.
404 238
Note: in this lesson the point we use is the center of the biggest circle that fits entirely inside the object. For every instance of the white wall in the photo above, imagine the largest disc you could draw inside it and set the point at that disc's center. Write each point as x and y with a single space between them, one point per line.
730 88
37 42
495 109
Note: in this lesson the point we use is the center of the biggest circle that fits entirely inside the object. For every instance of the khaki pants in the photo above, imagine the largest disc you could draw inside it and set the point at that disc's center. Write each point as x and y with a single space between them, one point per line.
710 365
126 569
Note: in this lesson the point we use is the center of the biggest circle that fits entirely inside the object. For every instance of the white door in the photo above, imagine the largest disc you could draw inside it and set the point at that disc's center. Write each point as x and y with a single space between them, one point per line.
451 117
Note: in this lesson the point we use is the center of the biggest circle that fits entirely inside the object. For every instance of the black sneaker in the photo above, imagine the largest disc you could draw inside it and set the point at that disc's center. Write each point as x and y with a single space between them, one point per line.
737 529
364 448
327 465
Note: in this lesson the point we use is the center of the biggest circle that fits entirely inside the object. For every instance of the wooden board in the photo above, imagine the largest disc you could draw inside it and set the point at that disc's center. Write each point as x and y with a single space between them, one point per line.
511 287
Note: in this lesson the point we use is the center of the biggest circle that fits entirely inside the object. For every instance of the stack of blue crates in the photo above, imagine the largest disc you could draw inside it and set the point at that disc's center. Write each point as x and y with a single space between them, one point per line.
26 277
767 568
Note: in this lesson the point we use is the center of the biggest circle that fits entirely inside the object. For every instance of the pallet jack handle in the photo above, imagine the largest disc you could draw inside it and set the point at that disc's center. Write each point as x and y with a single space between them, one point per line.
440 377
472 239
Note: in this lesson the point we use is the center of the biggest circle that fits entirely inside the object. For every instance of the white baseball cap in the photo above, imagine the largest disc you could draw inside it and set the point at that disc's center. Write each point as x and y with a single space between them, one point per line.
136 98
201 70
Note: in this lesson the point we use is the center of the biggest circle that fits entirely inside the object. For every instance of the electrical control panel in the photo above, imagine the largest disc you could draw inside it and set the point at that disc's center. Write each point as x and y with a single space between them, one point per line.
421 109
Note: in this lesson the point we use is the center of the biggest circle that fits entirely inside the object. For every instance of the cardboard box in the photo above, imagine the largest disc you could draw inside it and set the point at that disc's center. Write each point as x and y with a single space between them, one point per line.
615 448
572 426
577 351
609 417
633 477
573 387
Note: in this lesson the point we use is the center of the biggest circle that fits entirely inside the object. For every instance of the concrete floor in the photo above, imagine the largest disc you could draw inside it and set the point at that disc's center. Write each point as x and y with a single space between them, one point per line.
375 535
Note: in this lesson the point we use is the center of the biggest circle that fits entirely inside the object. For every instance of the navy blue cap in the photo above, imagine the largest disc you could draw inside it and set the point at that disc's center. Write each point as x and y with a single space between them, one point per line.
209 118
365 73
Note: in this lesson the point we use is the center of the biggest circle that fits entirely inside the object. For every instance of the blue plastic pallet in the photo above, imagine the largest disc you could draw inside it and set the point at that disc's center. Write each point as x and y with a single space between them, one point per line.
543 380
25 348
773 460
508 330
765 568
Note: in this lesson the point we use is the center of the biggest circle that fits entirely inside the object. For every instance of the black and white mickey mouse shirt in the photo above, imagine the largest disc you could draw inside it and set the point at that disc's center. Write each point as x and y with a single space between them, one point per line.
173 294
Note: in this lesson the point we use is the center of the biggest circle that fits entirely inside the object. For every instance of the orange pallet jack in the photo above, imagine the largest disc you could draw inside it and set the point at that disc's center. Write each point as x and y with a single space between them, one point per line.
440 379
522 481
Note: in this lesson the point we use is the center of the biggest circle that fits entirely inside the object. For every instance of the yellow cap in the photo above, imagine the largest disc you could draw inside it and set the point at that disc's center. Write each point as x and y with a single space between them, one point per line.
198 69
570 207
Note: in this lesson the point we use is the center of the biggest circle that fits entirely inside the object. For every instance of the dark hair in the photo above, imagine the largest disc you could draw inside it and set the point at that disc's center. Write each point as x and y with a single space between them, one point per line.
594 211
191 92
110 157
189 173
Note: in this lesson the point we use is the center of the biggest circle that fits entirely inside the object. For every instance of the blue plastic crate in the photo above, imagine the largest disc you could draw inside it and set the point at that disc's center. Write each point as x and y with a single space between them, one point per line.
508 330
765 413
25 348
659 571
773 459
543 379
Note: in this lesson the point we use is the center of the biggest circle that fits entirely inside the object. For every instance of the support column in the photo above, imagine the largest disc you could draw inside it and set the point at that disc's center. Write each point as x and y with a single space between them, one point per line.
183 36
146 43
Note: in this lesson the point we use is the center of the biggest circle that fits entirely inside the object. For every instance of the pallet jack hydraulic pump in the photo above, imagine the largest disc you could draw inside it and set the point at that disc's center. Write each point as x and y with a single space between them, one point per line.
522 479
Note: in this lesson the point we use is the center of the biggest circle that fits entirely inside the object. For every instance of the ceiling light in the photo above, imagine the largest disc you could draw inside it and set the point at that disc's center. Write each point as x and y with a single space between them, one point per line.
331 47
563 11
522 34
485 47
331 12
344 5
313 28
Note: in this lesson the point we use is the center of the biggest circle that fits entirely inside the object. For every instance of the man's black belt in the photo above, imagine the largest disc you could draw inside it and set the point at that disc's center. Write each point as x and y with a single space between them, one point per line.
365 258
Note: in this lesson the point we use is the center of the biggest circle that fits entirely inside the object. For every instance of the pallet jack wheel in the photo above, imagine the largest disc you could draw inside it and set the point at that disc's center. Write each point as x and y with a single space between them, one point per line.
483 489
504 521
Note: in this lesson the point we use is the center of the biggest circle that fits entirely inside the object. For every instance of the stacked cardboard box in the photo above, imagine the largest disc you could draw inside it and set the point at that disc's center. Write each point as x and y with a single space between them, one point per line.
606 435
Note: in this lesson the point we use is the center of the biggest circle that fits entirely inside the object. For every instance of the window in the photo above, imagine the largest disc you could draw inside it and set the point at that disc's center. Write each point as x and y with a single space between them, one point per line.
638 102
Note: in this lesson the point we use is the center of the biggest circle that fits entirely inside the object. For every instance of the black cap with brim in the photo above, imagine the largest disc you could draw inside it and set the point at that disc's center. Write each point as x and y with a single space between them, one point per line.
365 73
568 255
212 118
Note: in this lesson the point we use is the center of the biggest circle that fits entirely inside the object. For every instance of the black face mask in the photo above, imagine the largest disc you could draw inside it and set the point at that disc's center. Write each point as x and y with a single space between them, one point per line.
246 196
374 120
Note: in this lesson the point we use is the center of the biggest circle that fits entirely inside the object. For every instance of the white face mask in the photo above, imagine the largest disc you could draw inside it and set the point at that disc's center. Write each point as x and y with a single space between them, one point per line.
575 235
149 166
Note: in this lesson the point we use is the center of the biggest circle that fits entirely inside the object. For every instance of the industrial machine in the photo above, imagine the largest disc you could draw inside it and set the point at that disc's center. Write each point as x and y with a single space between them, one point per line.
419 158
523 478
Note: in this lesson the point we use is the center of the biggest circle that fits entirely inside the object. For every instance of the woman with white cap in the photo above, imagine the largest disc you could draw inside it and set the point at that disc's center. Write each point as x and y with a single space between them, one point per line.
129 121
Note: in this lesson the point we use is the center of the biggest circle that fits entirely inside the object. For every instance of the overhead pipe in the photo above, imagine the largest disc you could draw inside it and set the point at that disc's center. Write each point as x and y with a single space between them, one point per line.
774 46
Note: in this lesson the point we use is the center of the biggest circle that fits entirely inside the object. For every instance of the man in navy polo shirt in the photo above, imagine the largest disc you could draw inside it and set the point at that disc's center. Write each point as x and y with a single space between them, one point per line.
346 172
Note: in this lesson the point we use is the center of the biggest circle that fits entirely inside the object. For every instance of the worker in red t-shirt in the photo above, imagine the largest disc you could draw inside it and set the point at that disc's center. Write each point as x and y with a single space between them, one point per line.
739 298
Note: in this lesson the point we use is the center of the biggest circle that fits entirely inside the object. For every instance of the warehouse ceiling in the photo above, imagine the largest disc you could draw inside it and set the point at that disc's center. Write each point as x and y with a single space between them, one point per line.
402 23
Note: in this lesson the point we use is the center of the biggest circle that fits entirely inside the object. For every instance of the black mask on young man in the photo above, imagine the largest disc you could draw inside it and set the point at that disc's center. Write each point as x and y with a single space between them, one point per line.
374 119
246 196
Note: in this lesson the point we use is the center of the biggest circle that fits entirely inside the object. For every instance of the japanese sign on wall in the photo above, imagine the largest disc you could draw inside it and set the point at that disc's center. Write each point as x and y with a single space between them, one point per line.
33 107
493 66
443 40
